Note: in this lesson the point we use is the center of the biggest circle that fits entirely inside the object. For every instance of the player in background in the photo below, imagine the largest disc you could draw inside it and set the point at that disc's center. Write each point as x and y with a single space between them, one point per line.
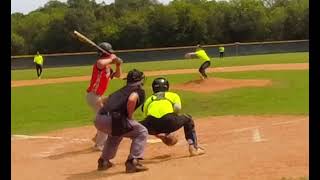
221 51
202 55
102 73
38 60
162 116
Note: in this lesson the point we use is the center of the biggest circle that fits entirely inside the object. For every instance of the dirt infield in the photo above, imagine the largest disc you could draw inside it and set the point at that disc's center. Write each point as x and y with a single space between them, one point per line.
266 147
261 67
238 147
219 84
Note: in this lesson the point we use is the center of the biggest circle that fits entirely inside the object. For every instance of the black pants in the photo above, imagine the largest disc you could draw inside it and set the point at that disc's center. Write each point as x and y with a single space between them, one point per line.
170 123
221 54
39 69
203 68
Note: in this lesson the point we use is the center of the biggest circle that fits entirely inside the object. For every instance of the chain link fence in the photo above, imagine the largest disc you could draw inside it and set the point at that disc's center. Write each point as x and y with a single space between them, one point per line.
158 54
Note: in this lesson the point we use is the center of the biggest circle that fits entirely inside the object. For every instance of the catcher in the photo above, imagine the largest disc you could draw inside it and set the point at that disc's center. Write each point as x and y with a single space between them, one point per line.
162 118
202 55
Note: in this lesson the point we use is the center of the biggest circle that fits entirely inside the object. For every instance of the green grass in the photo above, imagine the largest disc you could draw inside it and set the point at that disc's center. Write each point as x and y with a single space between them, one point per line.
165 65
37 109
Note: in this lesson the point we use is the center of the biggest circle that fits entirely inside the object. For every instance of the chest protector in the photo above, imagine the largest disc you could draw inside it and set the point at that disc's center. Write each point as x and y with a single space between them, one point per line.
116 106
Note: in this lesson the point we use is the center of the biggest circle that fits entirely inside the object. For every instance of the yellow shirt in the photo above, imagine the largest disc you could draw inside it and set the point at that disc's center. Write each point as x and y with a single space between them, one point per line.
221 49
202 55
160 104
38 59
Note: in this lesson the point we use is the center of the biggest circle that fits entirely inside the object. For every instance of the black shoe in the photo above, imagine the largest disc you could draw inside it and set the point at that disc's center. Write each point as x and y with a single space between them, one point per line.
103 164
133 166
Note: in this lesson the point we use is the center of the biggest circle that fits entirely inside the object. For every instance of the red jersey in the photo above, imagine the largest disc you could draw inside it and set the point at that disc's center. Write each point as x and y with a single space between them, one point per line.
99 79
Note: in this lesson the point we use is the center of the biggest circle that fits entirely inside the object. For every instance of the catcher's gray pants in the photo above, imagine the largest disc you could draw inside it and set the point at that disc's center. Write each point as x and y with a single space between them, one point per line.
138 136
94 101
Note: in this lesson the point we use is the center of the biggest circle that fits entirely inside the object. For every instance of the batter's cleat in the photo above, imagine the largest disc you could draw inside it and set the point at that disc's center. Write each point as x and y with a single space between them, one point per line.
97 148
195 151
104 164
133 166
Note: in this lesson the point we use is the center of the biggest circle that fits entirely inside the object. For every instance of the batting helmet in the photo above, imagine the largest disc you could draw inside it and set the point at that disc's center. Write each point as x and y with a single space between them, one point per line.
134 76
160 85
106 46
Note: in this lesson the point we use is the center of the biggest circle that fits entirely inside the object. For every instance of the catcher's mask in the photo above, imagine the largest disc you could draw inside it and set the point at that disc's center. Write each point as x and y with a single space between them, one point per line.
106 46
135 77
160 85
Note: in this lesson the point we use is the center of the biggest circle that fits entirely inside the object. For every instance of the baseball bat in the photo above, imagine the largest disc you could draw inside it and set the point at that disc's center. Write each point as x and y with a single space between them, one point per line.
83 38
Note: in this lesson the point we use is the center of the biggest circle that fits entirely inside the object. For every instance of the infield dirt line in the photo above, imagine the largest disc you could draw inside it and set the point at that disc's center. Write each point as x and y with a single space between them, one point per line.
260 67
286 122
21 137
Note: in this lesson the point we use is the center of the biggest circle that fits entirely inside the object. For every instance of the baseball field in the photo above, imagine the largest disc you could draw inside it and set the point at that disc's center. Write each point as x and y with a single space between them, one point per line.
251 115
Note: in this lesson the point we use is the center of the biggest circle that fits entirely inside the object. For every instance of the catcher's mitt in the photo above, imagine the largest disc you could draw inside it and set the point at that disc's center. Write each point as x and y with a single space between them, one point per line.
169 139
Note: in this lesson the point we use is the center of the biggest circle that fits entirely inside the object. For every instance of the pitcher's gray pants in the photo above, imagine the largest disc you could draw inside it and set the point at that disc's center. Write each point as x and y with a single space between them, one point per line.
138 136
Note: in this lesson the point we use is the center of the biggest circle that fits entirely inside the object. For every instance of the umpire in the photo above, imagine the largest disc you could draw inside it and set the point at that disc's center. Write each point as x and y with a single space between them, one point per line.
161 111
115 119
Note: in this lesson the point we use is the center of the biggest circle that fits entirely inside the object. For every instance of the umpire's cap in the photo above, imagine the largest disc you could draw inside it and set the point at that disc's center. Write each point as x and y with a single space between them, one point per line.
106 46
160 85
135 76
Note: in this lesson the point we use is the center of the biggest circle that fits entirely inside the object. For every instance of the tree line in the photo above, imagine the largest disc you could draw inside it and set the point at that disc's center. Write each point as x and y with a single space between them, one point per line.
129 24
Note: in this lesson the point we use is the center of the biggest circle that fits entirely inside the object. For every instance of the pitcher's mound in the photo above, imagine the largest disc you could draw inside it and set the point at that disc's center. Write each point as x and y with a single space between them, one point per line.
220 84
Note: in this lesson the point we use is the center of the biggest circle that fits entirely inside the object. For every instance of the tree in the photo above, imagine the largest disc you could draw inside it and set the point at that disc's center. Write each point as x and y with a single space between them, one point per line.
248 20
17 44
133 31
296 25
162 26
192 27
147 23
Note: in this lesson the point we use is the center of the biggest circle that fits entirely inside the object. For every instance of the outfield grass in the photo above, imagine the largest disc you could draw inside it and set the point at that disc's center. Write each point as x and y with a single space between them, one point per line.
37 109
165 65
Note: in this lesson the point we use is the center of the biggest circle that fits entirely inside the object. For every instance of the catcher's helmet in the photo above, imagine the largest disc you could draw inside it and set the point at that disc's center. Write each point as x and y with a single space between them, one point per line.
160 85
106 46
134 76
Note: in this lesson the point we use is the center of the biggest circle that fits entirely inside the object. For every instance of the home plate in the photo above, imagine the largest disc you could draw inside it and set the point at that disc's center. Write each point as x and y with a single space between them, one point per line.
153 141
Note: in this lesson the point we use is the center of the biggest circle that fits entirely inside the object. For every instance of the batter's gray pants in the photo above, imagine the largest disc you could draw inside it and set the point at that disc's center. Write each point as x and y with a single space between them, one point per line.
94 101
138 136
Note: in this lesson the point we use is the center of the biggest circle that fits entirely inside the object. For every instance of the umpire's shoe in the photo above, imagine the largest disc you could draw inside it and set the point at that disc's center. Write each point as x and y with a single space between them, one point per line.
104 165
195 151
133 166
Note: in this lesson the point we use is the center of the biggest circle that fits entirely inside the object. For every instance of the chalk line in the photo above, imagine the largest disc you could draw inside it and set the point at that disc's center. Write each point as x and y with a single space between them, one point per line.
256 136
286 122
19 136
241 129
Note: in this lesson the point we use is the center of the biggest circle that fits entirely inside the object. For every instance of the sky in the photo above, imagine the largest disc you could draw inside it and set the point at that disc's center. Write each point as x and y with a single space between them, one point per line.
26 6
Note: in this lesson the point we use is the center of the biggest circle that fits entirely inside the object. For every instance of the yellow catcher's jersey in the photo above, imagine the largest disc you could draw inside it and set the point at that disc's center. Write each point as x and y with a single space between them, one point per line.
38 59
202 55
160 104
